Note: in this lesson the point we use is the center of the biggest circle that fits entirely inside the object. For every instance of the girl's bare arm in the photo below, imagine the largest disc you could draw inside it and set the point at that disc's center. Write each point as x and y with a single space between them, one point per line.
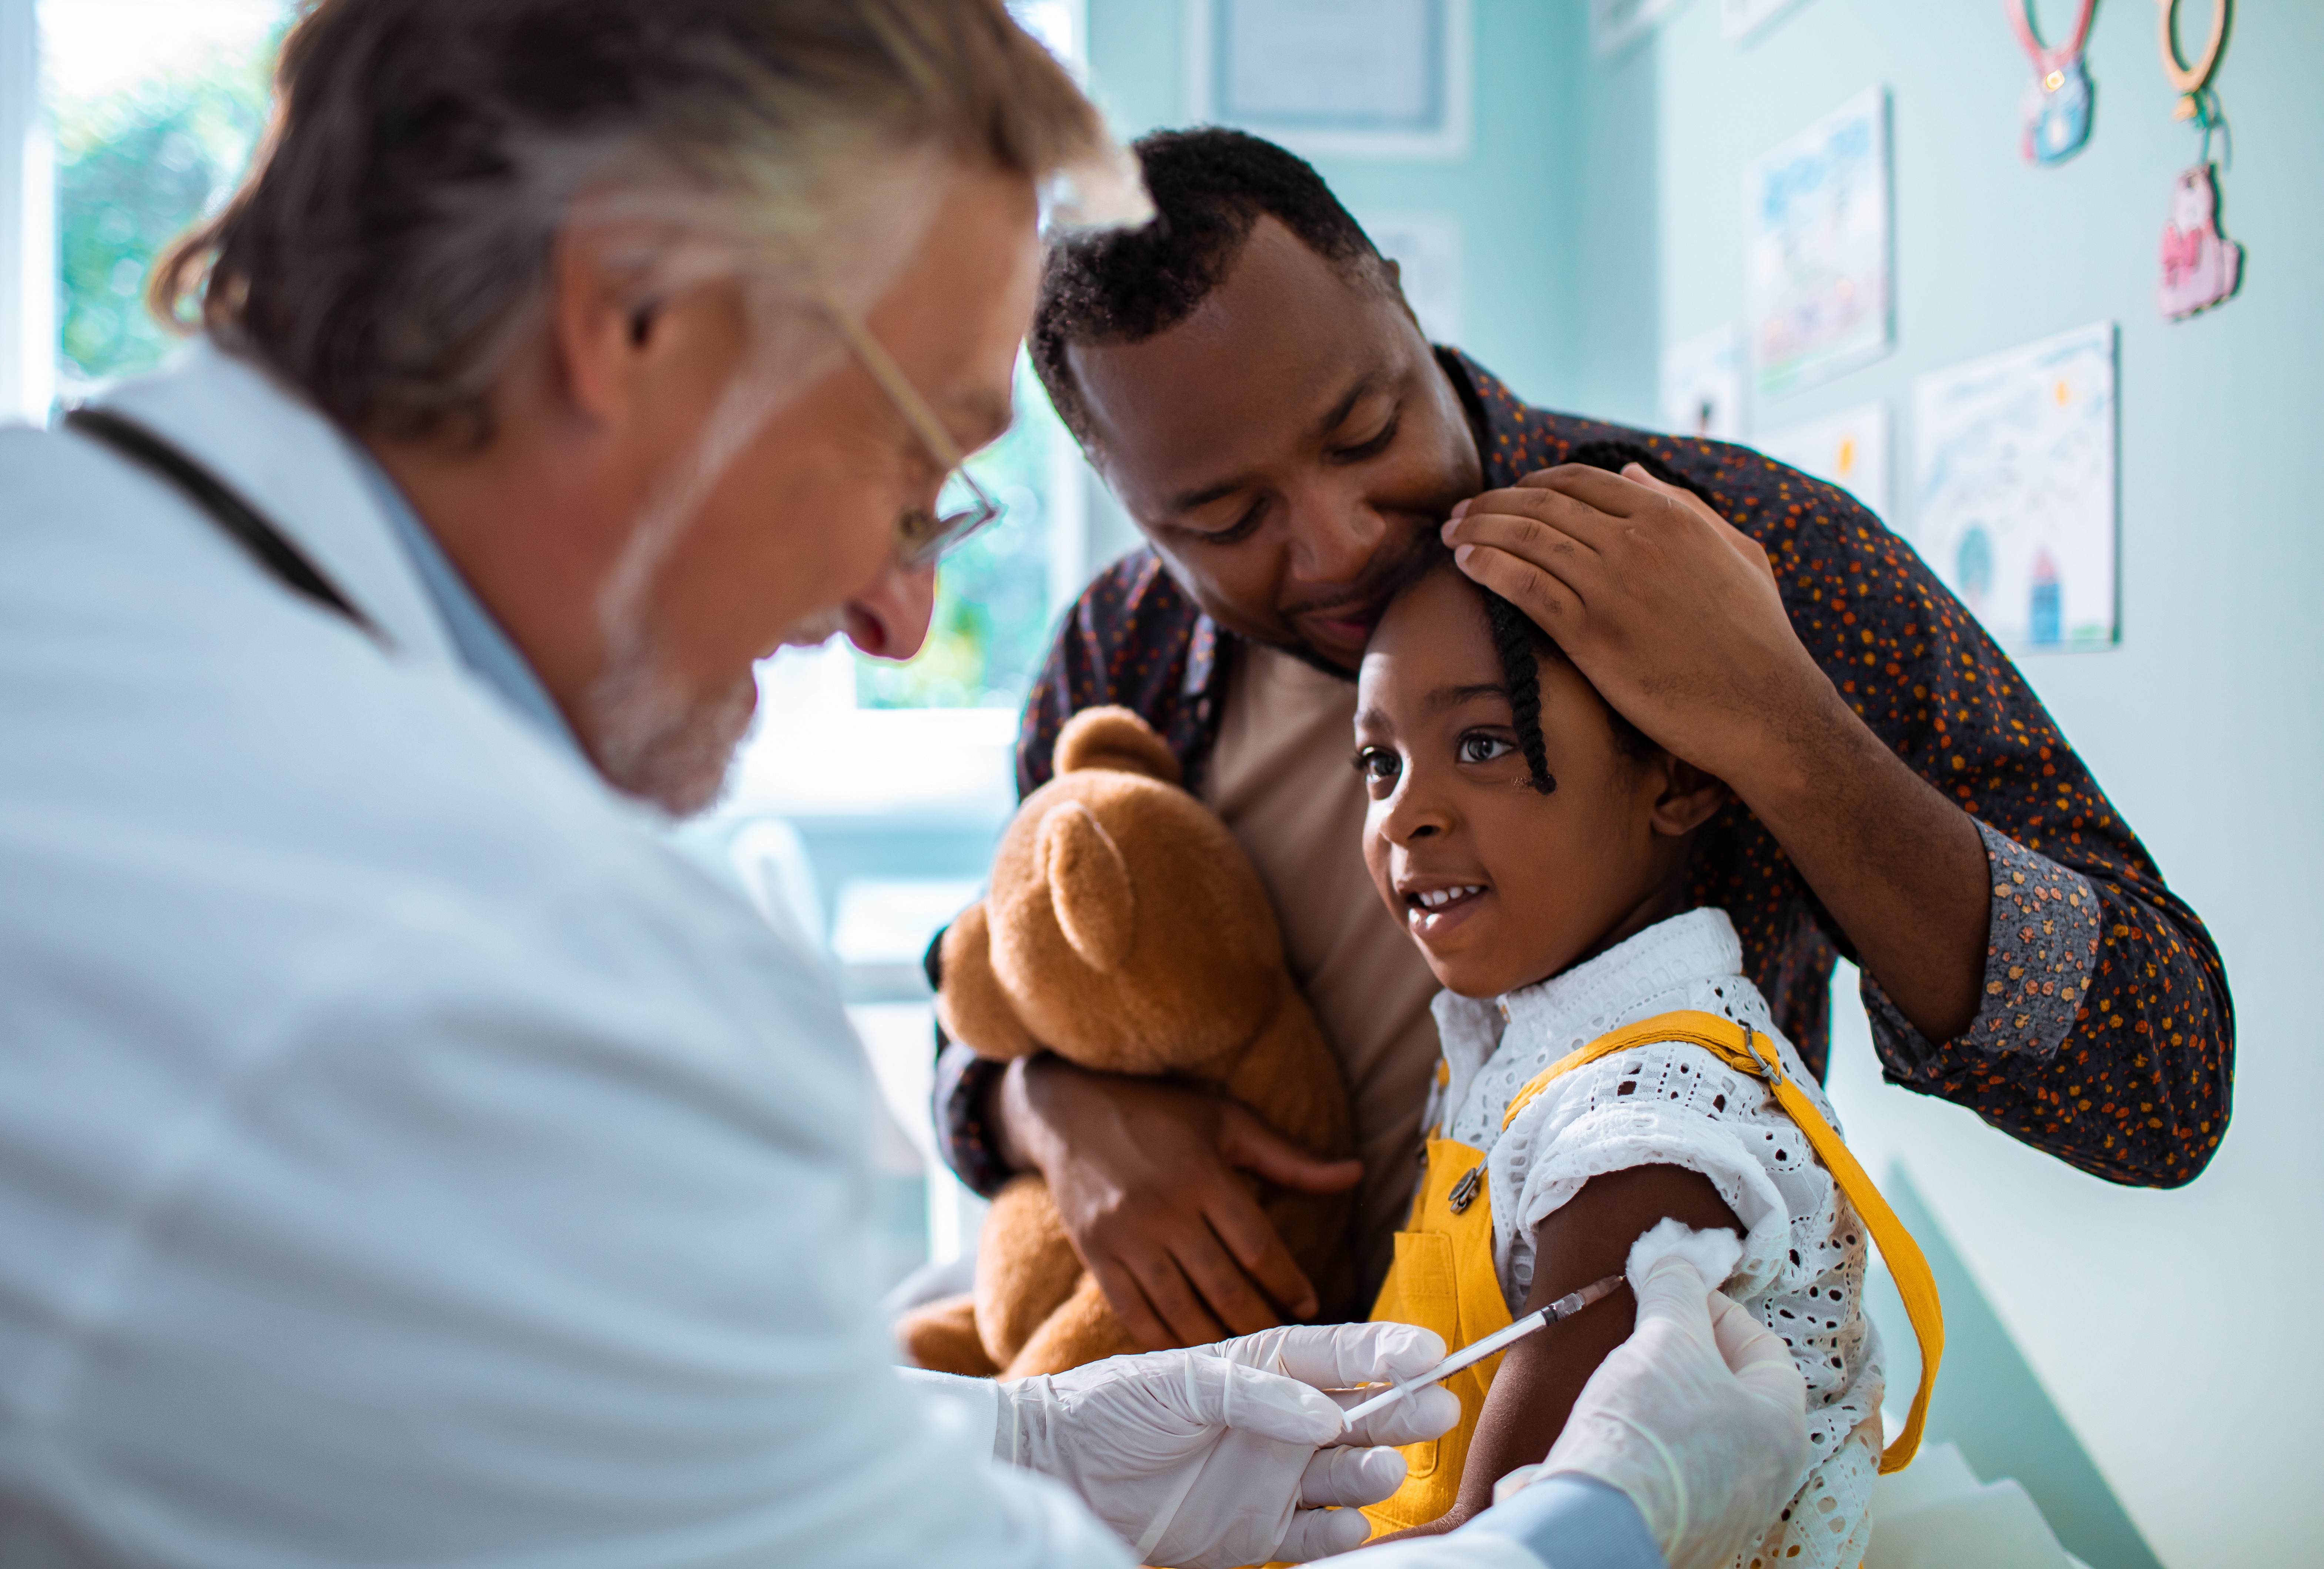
1587 1239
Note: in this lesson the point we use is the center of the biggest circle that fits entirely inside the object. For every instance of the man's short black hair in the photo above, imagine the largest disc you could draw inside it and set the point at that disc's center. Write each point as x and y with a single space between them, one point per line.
1210 187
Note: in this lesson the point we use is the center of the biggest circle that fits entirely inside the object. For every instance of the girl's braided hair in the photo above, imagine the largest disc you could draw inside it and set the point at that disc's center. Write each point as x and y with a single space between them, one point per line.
1513 639
1518 640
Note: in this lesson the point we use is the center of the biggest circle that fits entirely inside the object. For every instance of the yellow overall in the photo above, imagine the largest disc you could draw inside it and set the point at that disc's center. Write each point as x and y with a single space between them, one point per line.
1443 1277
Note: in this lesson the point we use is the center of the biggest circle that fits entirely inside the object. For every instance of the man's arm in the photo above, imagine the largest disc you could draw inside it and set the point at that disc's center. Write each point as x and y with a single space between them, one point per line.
1872 726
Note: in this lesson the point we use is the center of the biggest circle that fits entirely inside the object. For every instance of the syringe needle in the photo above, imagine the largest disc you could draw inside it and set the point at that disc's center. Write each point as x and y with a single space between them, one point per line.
1476 1350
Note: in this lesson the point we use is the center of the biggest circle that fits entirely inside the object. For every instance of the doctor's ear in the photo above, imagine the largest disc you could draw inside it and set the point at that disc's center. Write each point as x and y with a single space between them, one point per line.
614 351
598 328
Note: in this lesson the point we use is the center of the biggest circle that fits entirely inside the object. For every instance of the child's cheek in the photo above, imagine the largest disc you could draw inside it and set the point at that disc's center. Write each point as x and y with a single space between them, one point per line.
1376 855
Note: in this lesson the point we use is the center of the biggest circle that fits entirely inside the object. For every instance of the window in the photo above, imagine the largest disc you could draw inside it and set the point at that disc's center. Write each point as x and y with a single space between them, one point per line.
156 106
997 597
997 594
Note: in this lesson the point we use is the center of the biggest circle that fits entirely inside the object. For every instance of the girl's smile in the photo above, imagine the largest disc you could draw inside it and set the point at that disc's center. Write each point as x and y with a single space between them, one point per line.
1432 908
1500 883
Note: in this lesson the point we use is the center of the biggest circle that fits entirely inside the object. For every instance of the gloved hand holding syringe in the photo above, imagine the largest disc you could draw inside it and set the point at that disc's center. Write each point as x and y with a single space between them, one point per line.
1476 1350
1713 1253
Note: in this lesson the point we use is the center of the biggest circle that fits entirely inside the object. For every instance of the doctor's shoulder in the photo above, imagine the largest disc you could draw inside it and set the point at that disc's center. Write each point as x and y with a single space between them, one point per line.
302 802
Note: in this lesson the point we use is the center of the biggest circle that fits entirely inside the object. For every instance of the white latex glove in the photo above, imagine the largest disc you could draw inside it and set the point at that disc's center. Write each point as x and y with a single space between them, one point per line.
1208 1457
1701 1417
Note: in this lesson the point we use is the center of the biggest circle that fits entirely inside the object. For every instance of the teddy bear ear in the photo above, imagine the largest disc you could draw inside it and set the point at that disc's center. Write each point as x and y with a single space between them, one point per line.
974 1006
1089 884
1115 738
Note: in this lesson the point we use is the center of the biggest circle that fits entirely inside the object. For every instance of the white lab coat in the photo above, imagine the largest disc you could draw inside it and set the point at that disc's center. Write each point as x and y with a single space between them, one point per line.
404 1156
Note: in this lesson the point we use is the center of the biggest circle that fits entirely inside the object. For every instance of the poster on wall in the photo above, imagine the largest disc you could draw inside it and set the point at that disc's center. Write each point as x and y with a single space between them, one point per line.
2015 466
1742 18
1702 387
1615 24
1361 78
1849 450
1425 247
1816 249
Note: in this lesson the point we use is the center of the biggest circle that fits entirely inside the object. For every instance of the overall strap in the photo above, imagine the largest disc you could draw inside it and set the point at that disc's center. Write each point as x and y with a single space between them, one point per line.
268 545
1745 1050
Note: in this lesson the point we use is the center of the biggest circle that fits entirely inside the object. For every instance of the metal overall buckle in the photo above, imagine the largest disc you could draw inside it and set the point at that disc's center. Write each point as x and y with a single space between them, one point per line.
1464 1192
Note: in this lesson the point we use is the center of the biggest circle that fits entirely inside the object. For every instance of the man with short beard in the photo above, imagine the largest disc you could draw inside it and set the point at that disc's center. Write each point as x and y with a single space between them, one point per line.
1247 377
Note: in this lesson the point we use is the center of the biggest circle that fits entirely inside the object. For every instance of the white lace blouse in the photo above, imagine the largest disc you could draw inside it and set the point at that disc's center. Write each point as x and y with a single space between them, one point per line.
1801 1272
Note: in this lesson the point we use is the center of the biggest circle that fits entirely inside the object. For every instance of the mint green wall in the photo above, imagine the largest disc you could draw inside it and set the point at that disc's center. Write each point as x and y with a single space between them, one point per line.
1517 194
2175 1332
1602 208
1617 236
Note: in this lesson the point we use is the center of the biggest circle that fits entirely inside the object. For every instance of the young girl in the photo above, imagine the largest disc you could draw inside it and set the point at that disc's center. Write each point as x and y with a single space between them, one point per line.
1536 846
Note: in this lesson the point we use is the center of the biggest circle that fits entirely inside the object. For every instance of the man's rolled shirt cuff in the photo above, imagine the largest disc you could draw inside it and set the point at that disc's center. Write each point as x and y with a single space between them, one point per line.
1570 1521
964 1086
2042 945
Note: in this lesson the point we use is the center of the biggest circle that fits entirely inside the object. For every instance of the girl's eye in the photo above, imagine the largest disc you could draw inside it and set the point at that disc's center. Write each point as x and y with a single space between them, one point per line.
1378 764
1481 746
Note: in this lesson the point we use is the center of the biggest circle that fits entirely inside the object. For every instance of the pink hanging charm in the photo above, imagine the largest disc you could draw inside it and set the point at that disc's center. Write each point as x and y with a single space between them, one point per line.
2056 111
2201 267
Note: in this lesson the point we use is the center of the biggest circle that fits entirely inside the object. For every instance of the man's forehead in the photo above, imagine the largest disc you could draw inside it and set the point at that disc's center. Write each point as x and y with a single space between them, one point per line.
1269 352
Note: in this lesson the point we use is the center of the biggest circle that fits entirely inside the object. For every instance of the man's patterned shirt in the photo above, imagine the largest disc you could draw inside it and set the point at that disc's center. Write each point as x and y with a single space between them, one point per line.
2107 1035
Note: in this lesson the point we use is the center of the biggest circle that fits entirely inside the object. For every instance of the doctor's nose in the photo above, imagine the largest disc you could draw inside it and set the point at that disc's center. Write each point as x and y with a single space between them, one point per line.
889 620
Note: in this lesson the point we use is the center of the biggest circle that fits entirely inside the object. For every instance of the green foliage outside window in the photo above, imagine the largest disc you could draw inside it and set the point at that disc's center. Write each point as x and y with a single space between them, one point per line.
137 167
134 169
991 621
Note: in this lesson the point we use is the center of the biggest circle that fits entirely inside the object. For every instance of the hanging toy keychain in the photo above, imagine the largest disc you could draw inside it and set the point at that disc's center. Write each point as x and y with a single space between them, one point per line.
2056 110
2201 267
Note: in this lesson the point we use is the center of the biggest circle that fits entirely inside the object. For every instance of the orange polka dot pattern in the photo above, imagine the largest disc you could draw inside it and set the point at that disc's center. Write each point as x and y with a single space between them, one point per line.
2042 945
2124 1061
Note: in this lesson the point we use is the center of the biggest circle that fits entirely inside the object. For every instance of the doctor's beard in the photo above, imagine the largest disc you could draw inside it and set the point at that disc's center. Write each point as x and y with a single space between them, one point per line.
652 735
653 740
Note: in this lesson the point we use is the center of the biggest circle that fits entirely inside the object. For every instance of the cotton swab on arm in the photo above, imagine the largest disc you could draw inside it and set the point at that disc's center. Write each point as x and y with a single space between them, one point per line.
1565 1306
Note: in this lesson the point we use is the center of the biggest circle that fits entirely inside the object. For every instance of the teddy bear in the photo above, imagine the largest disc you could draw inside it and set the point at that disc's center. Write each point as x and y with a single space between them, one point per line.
1125 930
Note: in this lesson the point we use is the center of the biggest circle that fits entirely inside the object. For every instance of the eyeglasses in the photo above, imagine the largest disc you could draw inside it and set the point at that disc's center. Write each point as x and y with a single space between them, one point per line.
921 535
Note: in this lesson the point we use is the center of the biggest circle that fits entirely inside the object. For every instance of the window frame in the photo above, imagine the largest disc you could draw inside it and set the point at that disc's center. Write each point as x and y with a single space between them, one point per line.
28 221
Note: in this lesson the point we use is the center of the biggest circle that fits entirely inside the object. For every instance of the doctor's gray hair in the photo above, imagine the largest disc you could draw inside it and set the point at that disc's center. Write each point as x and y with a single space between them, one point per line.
391 250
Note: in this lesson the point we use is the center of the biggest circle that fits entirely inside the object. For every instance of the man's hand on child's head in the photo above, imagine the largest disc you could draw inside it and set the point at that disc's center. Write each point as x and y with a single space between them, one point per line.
1744 544
1607 564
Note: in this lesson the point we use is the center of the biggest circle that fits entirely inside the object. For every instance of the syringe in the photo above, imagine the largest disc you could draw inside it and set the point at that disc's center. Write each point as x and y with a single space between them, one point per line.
1565 1306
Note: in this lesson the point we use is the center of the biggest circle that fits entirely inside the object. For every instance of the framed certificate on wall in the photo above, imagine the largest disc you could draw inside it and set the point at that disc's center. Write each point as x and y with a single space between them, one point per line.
1357 79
